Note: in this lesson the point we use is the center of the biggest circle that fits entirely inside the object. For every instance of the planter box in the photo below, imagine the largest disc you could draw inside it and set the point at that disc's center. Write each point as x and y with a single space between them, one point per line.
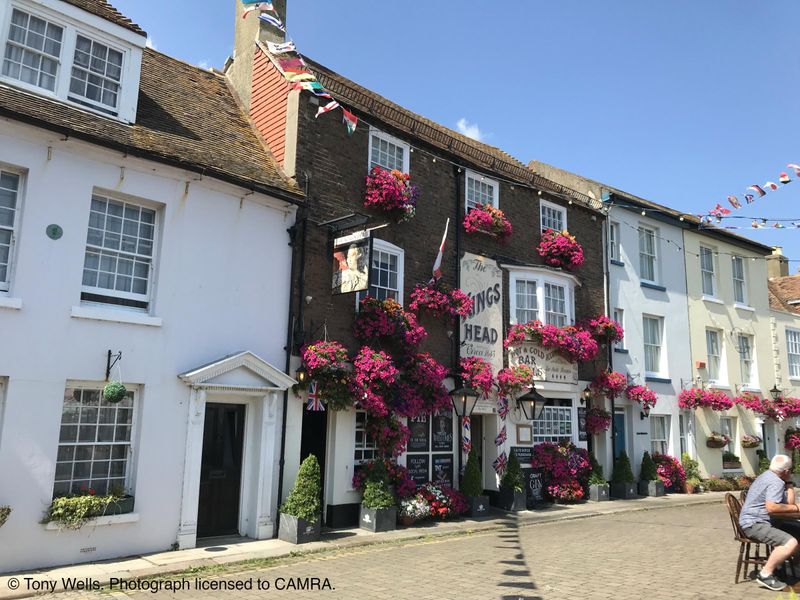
478 506
599 493
731 464
511 501
623 491
377 519
651 488
405 520
715 443
299 531
122 506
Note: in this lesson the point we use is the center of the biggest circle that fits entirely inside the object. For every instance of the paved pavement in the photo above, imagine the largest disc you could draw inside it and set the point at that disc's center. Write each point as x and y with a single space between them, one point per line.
677 552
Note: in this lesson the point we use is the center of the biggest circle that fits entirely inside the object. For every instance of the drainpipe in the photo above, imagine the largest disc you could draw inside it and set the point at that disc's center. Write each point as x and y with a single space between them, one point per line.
610 349
456 345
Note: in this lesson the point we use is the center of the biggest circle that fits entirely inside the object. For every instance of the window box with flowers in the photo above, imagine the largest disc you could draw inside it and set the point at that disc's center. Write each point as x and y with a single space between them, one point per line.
731 461
751 441
717 440
392 193
603 329
439 300
485 218
73 511
572 343
560 249
699 398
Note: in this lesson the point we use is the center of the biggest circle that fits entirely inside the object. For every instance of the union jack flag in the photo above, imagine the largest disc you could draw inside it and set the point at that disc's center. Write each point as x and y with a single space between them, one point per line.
502 407
501 437
500 463
314 403
466 444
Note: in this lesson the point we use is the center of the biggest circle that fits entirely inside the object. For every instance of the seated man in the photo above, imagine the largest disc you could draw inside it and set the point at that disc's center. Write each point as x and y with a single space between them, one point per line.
772 493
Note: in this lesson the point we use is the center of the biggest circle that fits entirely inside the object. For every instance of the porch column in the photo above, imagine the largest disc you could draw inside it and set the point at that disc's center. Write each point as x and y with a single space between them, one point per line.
267 467
187 532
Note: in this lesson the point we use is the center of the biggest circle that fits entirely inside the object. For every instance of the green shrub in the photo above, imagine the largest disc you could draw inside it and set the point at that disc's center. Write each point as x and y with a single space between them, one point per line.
304 500
690 466
648 470
622 470
715 484
729 457
72 512
795 461
114 392
472 484
377 496
596 476
513 476
763 461
5 511
743 482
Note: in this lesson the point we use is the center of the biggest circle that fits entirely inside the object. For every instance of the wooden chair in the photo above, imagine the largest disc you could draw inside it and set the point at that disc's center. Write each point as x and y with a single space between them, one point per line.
749 549
742 497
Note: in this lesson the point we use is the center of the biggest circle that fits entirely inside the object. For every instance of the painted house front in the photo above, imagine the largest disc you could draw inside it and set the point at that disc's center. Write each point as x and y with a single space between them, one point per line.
130 228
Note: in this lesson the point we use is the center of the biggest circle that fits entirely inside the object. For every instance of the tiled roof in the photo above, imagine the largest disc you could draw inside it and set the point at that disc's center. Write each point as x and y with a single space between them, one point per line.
187 117
483 156
782 291
103 9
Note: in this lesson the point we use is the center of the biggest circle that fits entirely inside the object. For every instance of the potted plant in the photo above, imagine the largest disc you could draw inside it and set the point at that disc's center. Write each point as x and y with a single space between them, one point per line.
301 514
649 482
485 218
670 471
692 485
75 510
751 441
731 461
5 511
717 440
392 193
623 484
472 487
598 486
560 249
763 461
378 508
413 509
692 469
511 496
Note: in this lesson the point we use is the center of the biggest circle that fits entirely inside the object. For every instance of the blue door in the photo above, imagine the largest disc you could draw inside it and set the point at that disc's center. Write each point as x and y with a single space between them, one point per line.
619 433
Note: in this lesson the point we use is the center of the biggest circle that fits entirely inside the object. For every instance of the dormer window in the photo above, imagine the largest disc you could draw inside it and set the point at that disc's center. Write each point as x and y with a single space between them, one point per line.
96 73
33 50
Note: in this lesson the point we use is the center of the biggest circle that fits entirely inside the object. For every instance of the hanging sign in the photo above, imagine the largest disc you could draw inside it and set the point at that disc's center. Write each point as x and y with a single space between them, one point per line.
547 364
351 263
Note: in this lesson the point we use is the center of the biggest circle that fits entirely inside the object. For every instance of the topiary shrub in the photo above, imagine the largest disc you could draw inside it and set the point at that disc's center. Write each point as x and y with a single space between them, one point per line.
622 470
690 466
596 476
377 496
647 471
513 476
114 392
304 500
472 484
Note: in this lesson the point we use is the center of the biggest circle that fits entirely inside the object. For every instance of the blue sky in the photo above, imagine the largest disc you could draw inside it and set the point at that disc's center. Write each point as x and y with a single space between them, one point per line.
680 102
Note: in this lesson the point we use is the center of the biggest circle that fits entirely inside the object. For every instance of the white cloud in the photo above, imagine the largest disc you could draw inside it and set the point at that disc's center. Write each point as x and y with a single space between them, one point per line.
471 130
150 44
203 64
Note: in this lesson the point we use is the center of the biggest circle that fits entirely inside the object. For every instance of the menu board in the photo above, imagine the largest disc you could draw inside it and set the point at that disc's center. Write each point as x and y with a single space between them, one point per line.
443 432
443 469
582 435
534 483
419 441
418 466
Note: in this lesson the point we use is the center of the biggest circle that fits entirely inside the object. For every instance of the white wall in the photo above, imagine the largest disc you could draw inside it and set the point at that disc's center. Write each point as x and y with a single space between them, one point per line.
221 285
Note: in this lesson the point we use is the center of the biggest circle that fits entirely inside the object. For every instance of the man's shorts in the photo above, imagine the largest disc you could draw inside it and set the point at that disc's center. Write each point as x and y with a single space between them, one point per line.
764 532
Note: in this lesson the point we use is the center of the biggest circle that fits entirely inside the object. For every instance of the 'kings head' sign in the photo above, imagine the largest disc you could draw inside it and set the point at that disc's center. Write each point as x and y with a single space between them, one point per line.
482 329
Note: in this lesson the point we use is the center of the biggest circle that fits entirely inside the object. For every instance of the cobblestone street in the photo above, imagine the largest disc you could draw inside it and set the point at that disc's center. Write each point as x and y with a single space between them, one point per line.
671 553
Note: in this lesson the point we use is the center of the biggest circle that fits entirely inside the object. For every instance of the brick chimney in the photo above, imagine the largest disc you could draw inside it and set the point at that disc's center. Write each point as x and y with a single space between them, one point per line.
777 264
239 69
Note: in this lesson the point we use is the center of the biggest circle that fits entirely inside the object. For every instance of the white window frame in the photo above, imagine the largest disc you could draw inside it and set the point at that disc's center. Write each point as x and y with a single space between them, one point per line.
130 480
365 447
73 25
720 379
613 241
540 277
708 252
388 248
618 315
480 179
377 133
86 101
5 285
793 352
555 207
548 427
527 309
116 294
550 299
683 443
752 381
662 442
646 229
730 431
660 345
741 281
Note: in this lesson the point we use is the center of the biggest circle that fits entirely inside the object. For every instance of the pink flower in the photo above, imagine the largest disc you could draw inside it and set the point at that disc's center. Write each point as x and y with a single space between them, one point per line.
573 343
597 420
476 373
512 380
642 394
560 249
603 329
391 192
488 219
610 384
699 398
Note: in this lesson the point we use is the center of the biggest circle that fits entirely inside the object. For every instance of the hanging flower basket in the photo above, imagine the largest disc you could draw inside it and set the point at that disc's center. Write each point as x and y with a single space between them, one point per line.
421 387
328 367
597 420
476 373
642 394
572 343
603 329
699 398
114 392
751 441
485 218
387 322
717 440
560 249
610 384
440 301
5 511
392 193
777 410
792 439
513 380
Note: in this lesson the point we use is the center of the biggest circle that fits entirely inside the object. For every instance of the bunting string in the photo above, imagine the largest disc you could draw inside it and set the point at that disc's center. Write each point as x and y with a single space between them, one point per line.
753 192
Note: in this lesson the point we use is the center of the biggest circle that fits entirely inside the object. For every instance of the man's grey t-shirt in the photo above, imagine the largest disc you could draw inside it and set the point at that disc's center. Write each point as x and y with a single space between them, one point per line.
767 486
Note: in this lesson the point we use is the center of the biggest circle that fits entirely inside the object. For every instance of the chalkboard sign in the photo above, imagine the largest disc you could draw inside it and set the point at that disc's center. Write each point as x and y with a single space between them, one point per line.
418 468
582 435
443 469
443 432
524 455
420 434
532 477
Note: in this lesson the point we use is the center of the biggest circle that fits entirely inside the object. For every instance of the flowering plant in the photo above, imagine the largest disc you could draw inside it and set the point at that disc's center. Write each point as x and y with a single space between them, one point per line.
560 249
387 471
604 329
476 373
389 433
778 410
571 342
717 440
750 441
415 507
439 300
327 366
391 192
373 377
512 380
566 469
444 501
421 388
597 420
642 394
792 439
387 321
488 219
670 470
609 383
699 398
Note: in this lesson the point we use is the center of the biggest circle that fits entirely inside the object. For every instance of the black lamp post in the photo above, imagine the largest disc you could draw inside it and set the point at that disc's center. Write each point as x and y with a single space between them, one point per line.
301 375
586 396
532 404
644 413
464 401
